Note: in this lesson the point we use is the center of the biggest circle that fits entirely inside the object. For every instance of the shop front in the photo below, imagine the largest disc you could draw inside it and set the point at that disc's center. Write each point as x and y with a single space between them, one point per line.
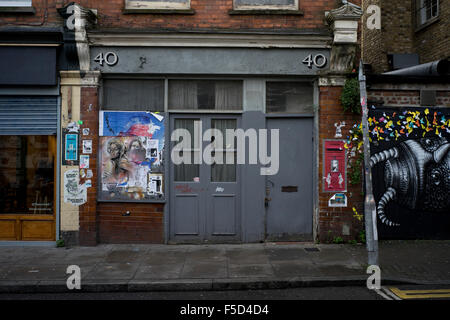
202 144
28 142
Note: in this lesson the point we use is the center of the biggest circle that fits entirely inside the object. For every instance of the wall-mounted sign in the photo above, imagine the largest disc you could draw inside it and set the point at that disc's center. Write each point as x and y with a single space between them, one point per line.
242 61
334 166
70 141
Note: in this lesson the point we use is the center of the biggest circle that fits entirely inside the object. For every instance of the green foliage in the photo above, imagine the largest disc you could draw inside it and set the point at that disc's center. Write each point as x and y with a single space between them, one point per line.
338 240
355 172
60 243
362 236
350 98
353 242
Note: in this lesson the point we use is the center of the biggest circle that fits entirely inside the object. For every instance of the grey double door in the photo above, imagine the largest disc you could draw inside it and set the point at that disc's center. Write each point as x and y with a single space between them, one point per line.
204 195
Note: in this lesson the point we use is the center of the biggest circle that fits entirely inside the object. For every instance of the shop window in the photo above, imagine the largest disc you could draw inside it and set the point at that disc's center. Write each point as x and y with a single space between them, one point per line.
27 174
205 95
265 4
135 95
427 11
157 5
290 97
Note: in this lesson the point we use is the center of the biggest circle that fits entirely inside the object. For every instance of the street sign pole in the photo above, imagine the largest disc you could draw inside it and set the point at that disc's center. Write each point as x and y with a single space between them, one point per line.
370 212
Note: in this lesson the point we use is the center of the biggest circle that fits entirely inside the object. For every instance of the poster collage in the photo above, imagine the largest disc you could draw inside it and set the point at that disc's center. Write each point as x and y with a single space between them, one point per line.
131 156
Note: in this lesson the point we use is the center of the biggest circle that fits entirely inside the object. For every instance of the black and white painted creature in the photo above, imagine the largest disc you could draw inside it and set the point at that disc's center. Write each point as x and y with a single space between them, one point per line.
416 176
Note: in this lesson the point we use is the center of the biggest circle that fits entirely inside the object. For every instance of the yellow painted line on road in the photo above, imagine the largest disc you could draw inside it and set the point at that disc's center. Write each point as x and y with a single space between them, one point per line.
421 294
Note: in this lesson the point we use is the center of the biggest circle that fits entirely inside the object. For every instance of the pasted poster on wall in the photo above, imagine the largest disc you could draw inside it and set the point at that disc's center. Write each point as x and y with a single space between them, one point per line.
74 193
131 156
410 160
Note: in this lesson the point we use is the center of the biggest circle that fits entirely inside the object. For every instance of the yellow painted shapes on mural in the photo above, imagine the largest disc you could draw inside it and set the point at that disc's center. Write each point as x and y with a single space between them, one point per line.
360 144
427 111
356 215
389 124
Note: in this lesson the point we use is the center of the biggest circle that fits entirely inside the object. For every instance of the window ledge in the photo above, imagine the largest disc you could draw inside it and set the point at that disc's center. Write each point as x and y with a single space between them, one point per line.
265 12
159 11
427 24
26 10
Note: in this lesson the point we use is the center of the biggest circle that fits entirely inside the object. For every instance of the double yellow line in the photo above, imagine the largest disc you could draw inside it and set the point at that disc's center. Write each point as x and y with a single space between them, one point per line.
421 294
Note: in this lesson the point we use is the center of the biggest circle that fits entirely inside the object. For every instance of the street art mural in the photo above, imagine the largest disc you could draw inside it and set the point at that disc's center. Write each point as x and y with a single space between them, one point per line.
410 160
131 156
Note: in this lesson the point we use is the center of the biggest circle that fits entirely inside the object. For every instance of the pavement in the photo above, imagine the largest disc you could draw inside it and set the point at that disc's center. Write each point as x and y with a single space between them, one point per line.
140 268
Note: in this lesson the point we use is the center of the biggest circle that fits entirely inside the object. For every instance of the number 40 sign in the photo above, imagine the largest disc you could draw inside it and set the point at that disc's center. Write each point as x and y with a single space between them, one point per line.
319 61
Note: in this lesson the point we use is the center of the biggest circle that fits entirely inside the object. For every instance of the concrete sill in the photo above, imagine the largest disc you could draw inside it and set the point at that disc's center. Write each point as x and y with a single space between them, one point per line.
159 11
266 12
427 24
24 10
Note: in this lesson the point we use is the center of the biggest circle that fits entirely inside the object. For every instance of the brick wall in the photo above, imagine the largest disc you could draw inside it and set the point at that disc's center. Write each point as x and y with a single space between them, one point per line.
144 224
405 98
210 14
398 34
88 211
104 222
395 36
332 221
433 42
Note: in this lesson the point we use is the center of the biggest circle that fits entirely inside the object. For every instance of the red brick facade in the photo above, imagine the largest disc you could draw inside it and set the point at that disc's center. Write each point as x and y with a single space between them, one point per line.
332 221
88 212
211 14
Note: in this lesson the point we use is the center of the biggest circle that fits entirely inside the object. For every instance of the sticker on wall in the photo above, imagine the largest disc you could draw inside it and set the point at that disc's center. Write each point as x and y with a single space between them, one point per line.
88 183
85 131
73 127
339 200
339 129
155 184
84 162
87 146
89 174
73 192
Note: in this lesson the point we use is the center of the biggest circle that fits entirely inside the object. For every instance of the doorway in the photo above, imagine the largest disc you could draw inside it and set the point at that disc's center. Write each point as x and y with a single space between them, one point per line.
205 204
289 193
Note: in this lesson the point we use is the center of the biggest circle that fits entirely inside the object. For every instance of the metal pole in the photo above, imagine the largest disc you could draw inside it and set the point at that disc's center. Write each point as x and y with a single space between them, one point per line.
370 212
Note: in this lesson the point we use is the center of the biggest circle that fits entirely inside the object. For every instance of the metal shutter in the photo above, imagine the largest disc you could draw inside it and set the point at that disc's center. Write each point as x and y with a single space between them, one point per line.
28 115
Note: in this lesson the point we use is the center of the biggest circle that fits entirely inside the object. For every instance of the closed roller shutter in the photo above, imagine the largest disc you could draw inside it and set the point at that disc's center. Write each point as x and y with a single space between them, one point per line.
28 115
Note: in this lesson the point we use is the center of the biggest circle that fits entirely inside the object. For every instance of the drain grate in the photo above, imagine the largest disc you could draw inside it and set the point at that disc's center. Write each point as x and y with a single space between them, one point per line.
312 249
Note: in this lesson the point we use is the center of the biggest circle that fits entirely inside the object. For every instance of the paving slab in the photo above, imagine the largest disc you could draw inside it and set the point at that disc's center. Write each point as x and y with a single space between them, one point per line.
113 271
155 272
204 270
250 270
